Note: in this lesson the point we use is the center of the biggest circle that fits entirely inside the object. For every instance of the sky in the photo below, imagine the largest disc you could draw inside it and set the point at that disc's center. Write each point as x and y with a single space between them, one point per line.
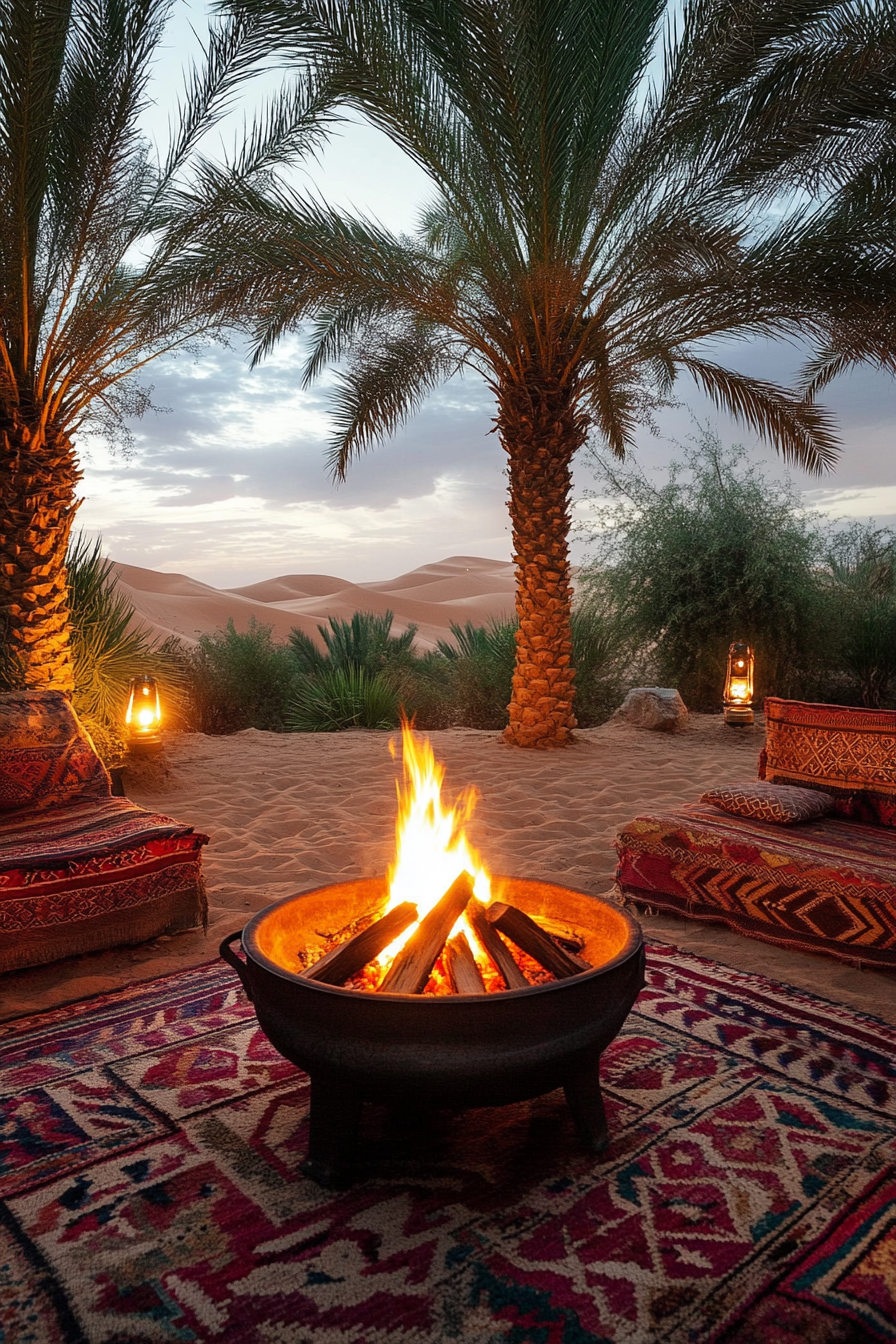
227 482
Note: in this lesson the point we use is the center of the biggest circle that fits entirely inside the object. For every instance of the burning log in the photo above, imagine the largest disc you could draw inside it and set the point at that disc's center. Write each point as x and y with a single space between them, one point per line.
495 947
463 973
523 931
413 965
349 958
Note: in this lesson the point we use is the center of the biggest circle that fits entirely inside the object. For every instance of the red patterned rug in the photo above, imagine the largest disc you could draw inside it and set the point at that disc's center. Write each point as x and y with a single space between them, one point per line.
151 1143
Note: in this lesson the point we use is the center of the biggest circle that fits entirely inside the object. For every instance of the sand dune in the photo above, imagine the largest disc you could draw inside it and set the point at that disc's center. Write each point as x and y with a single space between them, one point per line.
462 588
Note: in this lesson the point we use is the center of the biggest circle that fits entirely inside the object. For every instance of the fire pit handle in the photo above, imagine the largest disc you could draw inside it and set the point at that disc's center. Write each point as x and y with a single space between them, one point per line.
226 951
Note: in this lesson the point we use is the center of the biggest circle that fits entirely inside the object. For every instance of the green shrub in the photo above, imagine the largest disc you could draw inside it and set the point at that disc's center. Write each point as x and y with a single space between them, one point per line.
241 680
720 552
602 654
364 641
480 672
343 697
859 585
480 663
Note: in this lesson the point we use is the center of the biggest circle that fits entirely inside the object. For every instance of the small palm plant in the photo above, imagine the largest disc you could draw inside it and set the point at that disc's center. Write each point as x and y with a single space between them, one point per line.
344 697
355 684
862 587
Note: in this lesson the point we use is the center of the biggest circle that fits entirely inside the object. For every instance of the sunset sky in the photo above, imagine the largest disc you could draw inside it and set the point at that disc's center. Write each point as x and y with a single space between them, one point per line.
228 482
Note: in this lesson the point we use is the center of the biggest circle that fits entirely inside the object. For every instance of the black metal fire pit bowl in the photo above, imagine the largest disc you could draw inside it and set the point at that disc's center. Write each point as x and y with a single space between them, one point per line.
454 1051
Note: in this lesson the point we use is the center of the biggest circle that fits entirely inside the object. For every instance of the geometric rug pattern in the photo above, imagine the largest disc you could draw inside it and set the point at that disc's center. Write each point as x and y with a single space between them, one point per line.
822 886
150 1151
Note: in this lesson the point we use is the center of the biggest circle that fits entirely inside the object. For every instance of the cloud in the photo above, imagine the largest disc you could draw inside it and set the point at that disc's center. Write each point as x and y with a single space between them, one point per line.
232 485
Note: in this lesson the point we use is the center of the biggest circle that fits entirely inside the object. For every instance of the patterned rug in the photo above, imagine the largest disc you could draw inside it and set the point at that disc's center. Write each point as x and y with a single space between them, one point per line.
151 1143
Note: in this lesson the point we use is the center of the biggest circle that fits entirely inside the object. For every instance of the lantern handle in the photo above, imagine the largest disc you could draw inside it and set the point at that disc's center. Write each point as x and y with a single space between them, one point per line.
233 960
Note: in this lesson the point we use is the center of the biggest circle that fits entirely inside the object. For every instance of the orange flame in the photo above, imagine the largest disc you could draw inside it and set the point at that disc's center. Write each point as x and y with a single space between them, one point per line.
430 846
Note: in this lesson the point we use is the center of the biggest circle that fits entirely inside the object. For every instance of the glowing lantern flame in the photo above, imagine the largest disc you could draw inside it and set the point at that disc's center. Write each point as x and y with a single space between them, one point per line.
431 848
144 711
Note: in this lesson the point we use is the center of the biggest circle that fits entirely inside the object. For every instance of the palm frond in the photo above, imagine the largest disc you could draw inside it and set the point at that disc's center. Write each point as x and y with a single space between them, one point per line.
383 387
801 431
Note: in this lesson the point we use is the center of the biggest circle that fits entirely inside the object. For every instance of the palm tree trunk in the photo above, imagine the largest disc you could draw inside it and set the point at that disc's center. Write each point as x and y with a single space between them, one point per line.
38 475
541 428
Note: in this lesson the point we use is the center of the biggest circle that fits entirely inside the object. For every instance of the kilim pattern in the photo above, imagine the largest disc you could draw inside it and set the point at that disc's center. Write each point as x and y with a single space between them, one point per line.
72 863
825 886
71 855
150 1184
848 752
46 757
781 804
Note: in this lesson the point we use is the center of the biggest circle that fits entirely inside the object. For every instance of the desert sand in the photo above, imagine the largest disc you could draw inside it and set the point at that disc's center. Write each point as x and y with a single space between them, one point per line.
290 812
461 588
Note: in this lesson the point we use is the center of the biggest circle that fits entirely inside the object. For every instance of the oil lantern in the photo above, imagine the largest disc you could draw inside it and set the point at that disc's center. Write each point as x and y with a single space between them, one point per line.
739 686
144 714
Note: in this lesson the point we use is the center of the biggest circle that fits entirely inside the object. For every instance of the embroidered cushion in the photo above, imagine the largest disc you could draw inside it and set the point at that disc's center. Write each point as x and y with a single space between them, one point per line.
780 803
46 757
848 753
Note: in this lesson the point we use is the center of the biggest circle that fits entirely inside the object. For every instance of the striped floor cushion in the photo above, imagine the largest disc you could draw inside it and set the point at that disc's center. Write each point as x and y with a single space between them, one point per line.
94 874
823 886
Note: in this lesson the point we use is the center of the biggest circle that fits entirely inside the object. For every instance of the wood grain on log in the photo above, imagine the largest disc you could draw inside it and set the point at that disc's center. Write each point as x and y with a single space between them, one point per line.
523 931
495 947
348 958
413 965
463 973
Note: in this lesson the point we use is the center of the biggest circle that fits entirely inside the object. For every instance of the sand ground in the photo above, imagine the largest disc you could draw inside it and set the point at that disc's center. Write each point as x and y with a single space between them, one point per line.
288 812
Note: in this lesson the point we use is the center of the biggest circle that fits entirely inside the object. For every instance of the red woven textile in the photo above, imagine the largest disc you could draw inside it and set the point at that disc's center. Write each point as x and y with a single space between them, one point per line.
825 886
89 859
151 1189
850 753
46 758
79 869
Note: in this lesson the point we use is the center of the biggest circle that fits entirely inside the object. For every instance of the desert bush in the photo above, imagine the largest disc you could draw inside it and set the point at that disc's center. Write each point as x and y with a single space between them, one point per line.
343 697
859 588
480 672
364 641
720 552
361 679
603 654
240 680
480 663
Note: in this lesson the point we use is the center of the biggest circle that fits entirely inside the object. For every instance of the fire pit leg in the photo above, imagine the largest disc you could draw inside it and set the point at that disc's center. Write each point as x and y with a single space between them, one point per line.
583 1096
335 1118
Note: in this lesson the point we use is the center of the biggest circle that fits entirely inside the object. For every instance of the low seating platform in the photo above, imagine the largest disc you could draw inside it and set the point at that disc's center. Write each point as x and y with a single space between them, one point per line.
826 885
79 869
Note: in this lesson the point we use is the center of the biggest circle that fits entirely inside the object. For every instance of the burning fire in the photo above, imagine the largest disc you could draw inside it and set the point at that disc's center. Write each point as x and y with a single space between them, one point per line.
431 848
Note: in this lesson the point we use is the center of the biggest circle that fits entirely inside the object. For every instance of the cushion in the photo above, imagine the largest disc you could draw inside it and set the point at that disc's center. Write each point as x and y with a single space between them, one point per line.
91 859
827 886
36 839
849 753
779 803
46 758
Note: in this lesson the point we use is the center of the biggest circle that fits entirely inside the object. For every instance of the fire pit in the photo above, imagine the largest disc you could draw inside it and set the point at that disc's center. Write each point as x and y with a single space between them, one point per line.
454 1035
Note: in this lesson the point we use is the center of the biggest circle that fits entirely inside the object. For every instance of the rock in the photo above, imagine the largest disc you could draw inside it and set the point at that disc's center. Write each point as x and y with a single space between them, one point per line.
655 707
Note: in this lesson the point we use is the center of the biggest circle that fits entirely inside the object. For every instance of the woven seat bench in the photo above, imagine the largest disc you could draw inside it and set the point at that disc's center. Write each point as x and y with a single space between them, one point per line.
827 885
79 869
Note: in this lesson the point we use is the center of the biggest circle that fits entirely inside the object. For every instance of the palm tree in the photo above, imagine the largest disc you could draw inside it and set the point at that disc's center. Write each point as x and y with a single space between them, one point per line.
88 293
592 229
